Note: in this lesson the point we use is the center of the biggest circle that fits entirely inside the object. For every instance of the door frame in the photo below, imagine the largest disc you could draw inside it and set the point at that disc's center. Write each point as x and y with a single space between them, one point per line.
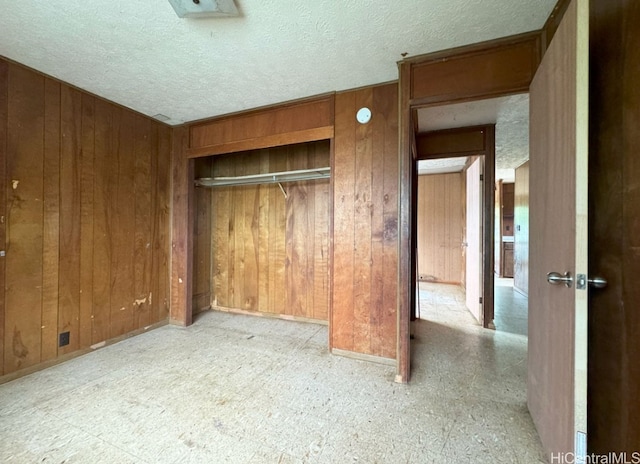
466 141
451 76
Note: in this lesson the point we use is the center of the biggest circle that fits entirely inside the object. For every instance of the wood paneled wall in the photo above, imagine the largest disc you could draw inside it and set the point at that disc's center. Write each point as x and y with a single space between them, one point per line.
440 228
85 219
501 66
202 236
290 123
497 230
365 254
267 252
521 234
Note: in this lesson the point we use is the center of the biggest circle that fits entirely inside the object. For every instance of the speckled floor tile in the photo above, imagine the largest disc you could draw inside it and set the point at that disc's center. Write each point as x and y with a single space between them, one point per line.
241 389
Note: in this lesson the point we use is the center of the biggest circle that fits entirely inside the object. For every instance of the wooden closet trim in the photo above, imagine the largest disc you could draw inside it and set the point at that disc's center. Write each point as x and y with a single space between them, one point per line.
308 120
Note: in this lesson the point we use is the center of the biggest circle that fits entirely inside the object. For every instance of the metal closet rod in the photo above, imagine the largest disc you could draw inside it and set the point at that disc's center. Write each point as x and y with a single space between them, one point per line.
268 178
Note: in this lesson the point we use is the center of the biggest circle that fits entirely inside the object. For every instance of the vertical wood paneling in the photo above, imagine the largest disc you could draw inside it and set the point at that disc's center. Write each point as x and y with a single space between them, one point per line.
237 248
163 210
365 182
297 239
377 219
87 221
264 285
123 233
4 103
69 286
221 219
386 104
103 194
440 228
497 230
24 258
181 229
51 237
362 228
521 239
320 253
343 297
202 239
250 237
268 251
87 180
277 235
143 223
154 300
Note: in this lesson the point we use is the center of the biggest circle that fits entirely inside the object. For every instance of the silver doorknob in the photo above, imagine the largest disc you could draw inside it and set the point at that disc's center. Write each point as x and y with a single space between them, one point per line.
555 278
596 282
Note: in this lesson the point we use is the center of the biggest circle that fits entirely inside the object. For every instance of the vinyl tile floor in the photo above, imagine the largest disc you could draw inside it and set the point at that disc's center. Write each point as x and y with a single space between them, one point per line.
241 389
446 303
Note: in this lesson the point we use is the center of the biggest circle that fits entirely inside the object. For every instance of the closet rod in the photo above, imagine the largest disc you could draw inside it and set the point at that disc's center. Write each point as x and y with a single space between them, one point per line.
268 178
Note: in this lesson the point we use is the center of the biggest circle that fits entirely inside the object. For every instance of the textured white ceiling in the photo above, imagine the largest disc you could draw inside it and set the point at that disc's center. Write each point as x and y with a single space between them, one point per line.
140 54
441 165
509 114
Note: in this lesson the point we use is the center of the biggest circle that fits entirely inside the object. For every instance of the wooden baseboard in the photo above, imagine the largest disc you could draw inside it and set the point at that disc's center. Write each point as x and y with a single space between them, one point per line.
269 315
365 357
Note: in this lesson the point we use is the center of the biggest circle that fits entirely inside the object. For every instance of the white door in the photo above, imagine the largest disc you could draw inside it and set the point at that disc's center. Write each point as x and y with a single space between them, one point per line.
473 275
557 359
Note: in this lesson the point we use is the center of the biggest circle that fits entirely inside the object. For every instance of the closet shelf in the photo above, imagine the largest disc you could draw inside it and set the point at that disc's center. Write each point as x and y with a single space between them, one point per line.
268 178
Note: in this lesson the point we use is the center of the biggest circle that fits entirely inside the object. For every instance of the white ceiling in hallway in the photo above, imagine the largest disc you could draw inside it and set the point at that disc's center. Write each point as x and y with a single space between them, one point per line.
140 54
509 114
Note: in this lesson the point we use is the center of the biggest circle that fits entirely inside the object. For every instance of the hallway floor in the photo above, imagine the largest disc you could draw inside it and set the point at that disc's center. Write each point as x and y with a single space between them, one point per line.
241 389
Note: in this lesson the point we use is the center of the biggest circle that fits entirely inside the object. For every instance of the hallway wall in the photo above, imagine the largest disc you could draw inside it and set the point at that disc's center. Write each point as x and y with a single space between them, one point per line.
441 228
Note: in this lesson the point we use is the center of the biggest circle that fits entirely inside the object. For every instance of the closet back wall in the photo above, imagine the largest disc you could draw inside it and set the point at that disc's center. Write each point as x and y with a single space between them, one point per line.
268 253
85 219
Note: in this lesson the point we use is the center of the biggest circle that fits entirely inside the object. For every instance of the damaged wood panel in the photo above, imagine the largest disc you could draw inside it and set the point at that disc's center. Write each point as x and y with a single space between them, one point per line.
24 253
51 238
263 244
364 270
143 223
69 285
